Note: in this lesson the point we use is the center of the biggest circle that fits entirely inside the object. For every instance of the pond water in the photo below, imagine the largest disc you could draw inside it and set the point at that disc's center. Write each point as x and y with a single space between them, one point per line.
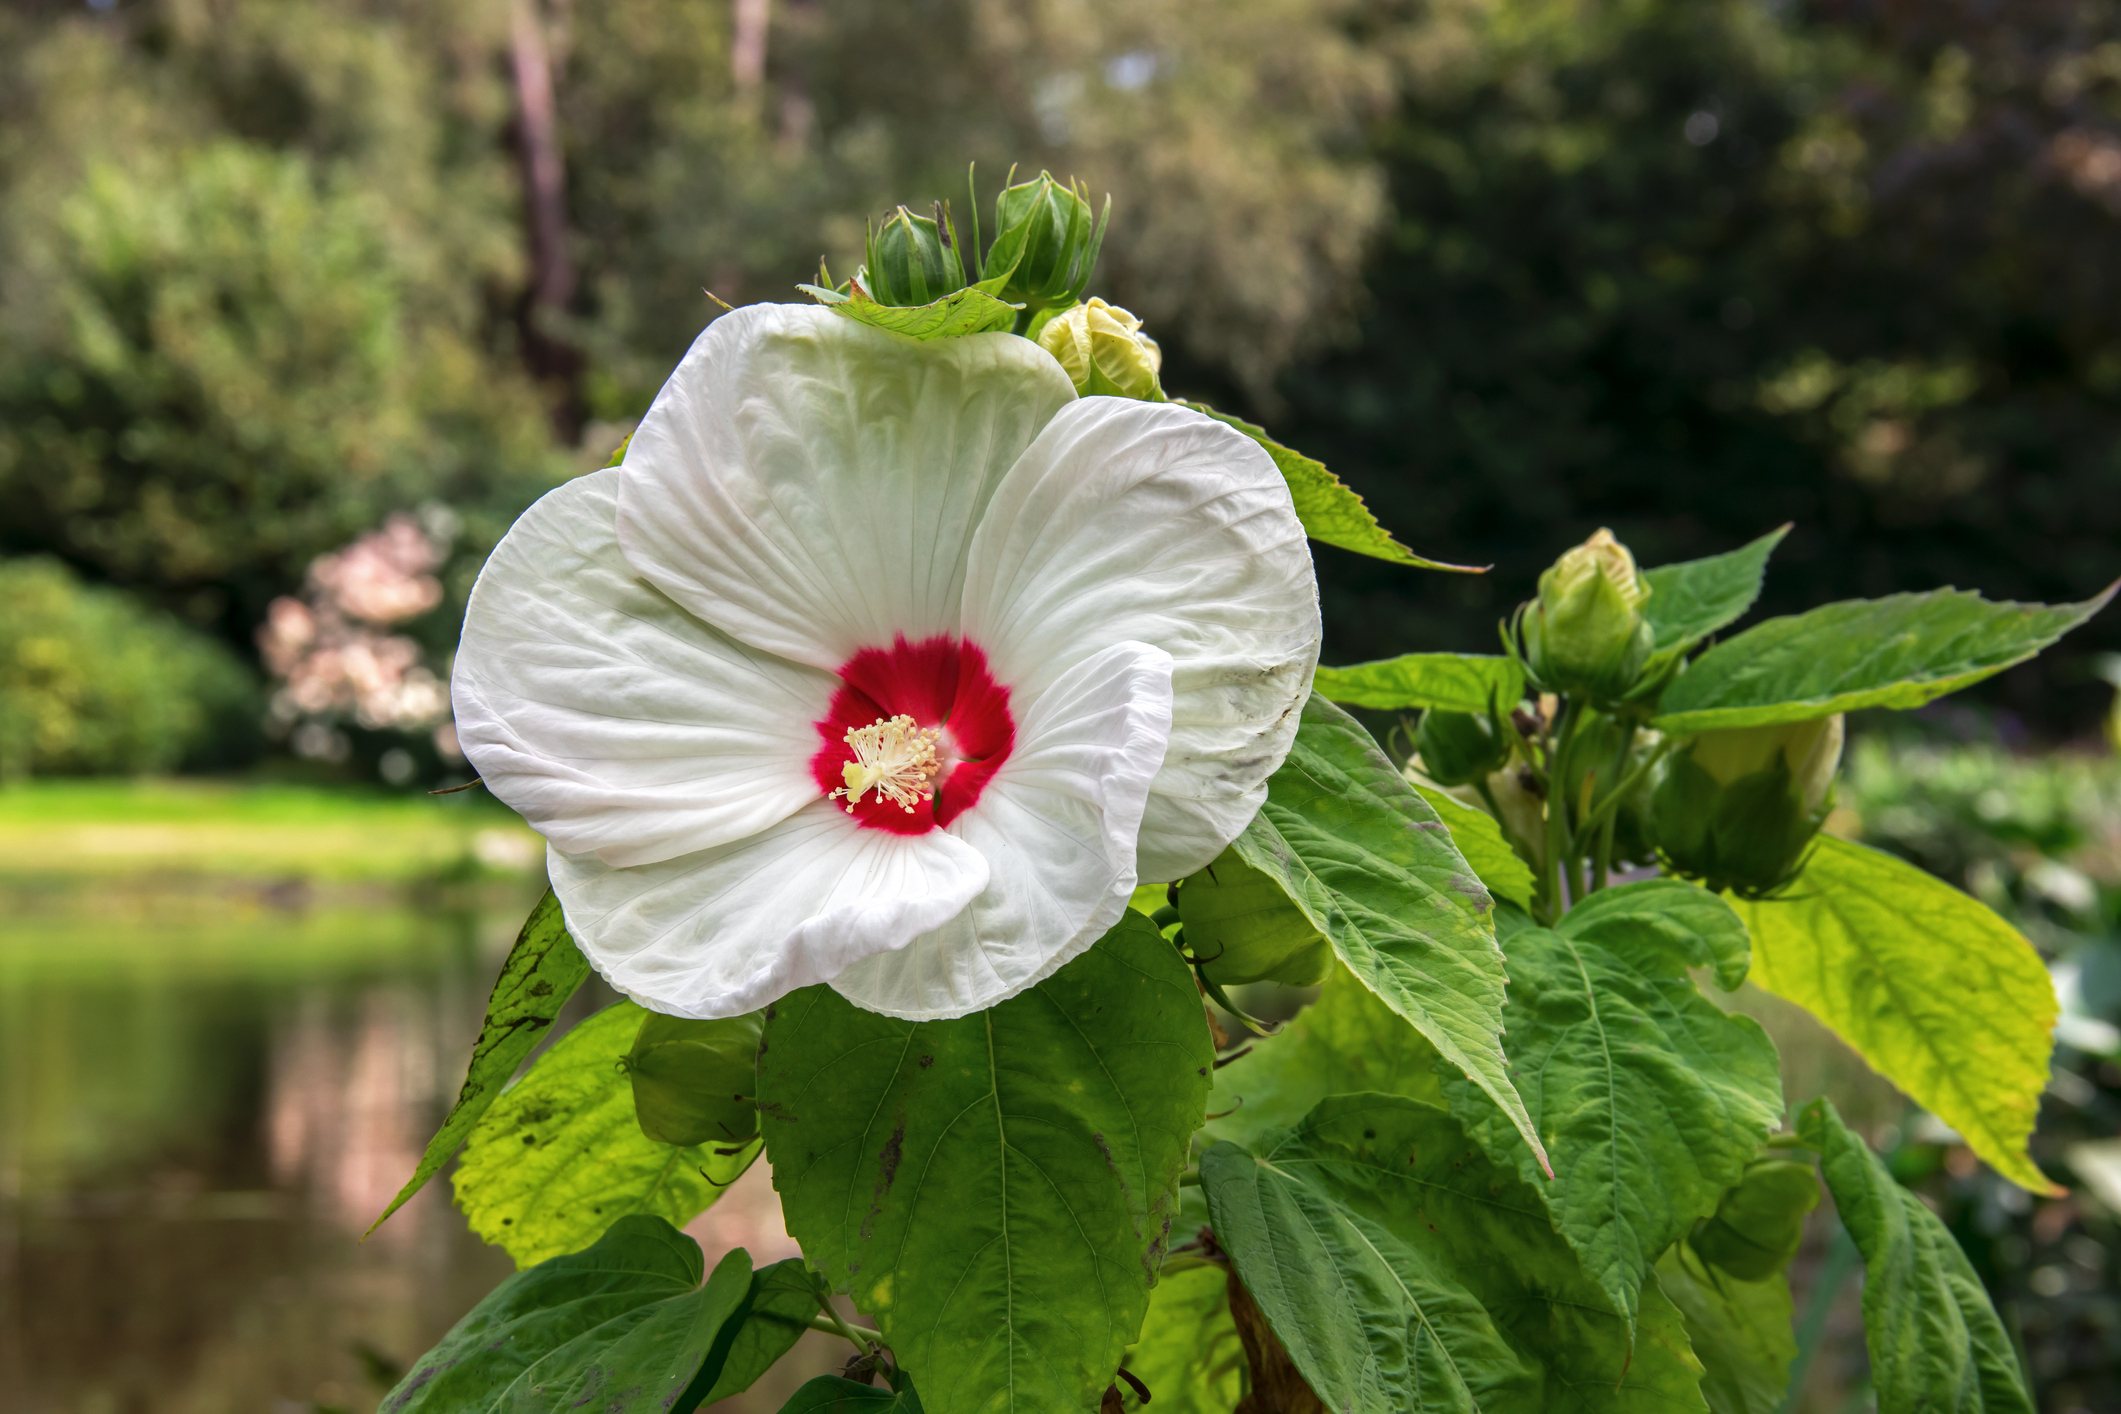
207 1092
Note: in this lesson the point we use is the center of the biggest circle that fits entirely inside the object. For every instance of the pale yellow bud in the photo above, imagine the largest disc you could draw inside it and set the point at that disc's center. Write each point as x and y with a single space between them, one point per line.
1104 351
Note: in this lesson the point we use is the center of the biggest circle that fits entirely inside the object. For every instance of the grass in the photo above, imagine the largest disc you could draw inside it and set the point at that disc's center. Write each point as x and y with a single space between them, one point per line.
74 830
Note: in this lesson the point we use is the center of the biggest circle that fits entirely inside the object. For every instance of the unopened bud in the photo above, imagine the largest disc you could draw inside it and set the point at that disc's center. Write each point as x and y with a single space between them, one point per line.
912 260
1243 927
1045 242
1585 633
1457 748
1104 352
1759 1222
1737 808
694 1081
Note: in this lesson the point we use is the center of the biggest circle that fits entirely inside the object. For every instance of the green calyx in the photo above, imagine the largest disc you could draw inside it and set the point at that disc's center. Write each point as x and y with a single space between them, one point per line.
1458 748
1240 926
1045 243
1585 633
913 260
694 1081
1737 809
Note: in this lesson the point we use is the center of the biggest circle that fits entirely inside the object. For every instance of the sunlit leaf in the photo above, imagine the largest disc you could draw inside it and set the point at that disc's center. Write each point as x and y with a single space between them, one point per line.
1454 682
561 1156
995 1191
1375 869
1899 652
1479 838
1935 1340
542 972
1936 992
967 311
625 1326
1691 600
1331 513
1405 1271
1189 1356
1651 1100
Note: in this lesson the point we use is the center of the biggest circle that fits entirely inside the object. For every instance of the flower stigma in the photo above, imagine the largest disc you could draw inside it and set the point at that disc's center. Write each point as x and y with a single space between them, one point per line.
893 757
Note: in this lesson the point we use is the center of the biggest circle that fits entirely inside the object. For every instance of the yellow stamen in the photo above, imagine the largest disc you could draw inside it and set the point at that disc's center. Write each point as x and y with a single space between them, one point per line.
893 757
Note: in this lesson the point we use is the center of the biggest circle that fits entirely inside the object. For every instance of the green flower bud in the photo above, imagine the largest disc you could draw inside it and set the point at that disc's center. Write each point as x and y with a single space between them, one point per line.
1104 351
1044 244
1760 1220
1458 748
1244 928
1585 633
913 260
1737 808
693 1081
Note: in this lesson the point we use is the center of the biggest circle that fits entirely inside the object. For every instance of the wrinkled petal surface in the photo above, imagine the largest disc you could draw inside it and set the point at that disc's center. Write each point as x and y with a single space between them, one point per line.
728 930
810 485
613 721
1057 825
1148 522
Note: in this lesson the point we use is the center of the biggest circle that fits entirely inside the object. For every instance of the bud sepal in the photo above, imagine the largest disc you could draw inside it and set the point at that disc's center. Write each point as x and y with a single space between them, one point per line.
1738 809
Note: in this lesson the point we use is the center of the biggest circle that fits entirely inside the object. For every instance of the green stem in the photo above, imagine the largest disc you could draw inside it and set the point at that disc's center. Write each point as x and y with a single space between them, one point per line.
1557 784
860 1335
1841 1259
1611 802
1603 859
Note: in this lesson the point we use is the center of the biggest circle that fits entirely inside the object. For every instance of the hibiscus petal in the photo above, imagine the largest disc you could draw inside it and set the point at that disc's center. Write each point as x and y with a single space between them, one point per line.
1057 825
1150 522
609 718
809 484
728 930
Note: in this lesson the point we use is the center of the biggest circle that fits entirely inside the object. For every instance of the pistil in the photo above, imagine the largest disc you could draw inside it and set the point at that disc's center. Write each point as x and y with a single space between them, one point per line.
894 757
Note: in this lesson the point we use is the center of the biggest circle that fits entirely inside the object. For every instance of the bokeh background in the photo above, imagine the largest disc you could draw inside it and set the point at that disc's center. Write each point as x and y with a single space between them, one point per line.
302 301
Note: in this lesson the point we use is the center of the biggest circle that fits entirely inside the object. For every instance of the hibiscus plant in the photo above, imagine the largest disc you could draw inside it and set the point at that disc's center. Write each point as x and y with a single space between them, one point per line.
924 715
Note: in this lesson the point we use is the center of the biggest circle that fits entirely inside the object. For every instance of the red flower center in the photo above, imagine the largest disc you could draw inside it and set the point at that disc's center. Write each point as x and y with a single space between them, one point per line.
943 684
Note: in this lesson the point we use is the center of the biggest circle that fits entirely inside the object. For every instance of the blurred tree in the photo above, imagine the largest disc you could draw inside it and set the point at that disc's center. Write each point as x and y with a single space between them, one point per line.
1695 269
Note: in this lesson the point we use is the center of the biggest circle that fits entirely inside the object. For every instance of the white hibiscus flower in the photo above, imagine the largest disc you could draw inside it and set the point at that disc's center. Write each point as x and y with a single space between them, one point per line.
886 664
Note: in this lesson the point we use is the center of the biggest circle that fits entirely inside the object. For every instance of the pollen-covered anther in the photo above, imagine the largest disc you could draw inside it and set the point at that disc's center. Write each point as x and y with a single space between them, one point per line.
893 757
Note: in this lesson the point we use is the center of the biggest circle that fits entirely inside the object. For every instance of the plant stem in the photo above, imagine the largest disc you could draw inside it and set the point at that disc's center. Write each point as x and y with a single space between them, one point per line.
1604 857
860 1335
1840 1261
1611 802
1557 808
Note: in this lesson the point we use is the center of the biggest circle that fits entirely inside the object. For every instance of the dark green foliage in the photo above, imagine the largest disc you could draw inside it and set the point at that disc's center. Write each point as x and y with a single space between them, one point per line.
91 682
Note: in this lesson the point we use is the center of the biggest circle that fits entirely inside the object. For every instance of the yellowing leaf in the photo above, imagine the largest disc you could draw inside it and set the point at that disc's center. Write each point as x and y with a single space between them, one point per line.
1937 993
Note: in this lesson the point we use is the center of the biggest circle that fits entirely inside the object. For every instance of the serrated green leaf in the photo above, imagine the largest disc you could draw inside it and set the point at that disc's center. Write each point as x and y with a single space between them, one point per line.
1375 869
1691 600
625 1324
1934 1339
1454 682
830 1394
995 1191
1346 1041
1650 1099
1933 990
1898 652
773 1318
1189 1356
1479 838
1406 1271
967 311
1740 1332
1692 926
542 971
560 1156
1331 513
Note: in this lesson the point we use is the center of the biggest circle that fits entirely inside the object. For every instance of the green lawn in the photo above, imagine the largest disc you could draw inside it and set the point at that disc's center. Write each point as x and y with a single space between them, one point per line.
64 830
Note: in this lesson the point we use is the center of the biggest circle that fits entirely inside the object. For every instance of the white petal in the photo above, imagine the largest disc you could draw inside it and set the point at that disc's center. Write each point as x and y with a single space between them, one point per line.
1150 522
809 484
609 718
1057 824
728 930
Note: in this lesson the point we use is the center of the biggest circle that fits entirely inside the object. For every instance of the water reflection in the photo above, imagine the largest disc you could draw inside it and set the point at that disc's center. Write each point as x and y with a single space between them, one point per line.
206 1094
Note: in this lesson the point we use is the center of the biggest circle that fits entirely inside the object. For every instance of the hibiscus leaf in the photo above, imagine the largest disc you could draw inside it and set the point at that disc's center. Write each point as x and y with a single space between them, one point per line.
561 1155
832 1394
1935 1340
1454 682
1406 1271
1373 866
542 972
1332 513
783 1299
995 1191
966 311
1895 961
1651 1100
1898 652
1691 600
1740 1331
1348 1040
625 1324
1481 841
1189 1356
